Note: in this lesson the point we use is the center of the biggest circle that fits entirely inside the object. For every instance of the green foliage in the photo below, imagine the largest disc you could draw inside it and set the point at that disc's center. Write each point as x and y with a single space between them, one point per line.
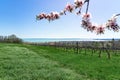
28 62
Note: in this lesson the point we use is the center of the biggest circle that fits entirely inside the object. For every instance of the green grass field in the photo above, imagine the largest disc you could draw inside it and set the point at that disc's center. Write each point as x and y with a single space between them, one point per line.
27 62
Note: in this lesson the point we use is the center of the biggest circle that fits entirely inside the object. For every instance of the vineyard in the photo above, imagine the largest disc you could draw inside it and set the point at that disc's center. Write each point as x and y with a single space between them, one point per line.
78 47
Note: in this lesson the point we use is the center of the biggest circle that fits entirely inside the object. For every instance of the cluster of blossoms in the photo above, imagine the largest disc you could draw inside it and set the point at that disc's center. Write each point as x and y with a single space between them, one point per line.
79 3
56 15
99 29
49 17
111 24
87 24
69 7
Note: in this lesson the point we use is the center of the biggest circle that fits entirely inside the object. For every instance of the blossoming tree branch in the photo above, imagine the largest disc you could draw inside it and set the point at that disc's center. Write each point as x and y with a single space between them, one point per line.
86 23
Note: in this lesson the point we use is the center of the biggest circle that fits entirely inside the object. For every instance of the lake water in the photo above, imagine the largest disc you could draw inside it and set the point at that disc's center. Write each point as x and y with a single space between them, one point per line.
60 39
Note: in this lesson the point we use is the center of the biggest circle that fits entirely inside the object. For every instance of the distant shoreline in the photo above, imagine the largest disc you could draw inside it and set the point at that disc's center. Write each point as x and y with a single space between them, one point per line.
64 39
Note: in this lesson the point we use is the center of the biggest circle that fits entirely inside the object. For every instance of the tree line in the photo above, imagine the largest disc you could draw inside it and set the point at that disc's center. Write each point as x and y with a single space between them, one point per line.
10 39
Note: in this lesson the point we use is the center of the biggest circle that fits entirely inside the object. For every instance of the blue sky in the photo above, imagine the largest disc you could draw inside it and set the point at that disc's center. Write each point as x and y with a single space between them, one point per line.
18 17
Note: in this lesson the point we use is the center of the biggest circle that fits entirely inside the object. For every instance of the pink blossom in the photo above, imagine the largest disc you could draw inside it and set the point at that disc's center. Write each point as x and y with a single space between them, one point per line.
48 17
56 15
92 28
69 7
78 3
112 24
86 16
41 16
89 28
86 24
52 16
100 29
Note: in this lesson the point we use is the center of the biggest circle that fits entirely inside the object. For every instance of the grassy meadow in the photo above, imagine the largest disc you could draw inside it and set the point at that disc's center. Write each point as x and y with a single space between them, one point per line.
29 62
